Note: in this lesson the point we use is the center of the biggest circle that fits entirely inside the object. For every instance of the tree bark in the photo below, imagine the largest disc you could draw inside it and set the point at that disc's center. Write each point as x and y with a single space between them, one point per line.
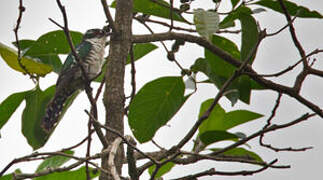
114 89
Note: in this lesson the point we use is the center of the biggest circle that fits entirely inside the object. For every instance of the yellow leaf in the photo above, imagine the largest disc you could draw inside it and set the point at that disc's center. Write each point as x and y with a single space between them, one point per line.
33 65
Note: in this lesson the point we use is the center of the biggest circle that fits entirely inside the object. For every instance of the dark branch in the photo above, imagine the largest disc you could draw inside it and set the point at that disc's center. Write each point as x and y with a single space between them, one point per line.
212 172
108 15
23 67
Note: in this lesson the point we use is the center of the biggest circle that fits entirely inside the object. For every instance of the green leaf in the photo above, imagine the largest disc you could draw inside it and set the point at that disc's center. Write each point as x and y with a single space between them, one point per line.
249 37
216 116
50 59
228 21
214 128
70 175
53 60
157 8
54 161
206 22
7 177
48 46
140 50
292 8
219 71
53 42
237 117
154 105
33 65
234 3
221 120
240 152
209 137
162 170
36 102
24 43
10 176
9 106
218 65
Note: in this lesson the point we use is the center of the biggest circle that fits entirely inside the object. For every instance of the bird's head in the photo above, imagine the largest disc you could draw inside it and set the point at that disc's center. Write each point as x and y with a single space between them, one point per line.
94 33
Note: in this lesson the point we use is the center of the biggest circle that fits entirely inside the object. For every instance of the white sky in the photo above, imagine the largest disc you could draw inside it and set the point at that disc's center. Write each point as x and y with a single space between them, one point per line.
274 54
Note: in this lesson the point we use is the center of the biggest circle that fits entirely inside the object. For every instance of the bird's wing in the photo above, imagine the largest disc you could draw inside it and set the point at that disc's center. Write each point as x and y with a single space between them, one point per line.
82 50
70 71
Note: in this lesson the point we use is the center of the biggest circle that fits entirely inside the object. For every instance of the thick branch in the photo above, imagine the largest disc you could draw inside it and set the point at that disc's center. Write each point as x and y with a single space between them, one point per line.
114 88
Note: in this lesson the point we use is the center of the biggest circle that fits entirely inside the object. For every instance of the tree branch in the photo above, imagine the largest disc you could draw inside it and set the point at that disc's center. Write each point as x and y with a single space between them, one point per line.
228 58
212 172
114 87
23 67
108 15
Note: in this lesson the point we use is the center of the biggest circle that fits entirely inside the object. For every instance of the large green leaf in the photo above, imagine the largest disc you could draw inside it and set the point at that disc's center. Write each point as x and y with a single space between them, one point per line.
240 153
7 177
219 71
221 67
9 106
221 120
154 105
53 42
237 117
162 170
158 8
70 175
54 161
51 59
213 136
47 47
249 37
292 8
36 102
33 65
206 22
215 127
228 21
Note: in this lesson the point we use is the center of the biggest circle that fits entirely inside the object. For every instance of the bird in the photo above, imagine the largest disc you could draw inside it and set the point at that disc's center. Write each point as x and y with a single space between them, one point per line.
91 57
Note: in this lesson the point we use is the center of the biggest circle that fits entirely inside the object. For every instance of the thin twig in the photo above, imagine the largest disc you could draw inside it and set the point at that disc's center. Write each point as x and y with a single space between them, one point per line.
268 124
23 67
194 157
212 172
258 133
171 15
292 30
78 144
108 15
133 74
281 29
163 44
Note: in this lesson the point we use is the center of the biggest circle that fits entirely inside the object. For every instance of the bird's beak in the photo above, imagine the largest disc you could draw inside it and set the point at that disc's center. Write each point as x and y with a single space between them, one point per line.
106 30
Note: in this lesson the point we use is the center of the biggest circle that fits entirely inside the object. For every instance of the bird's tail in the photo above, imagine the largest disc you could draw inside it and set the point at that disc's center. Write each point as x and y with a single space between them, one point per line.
54 110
